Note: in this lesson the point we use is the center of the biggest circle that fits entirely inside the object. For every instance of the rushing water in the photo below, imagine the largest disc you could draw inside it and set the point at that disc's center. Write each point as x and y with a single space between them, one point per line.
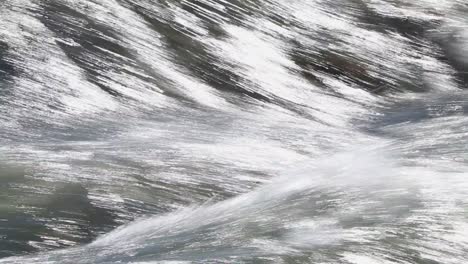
231 131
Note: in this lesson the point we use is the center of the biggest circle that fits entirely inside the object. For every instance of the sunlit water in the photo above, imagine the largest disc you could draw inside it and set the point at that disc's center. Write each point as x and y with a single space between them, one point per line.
212 131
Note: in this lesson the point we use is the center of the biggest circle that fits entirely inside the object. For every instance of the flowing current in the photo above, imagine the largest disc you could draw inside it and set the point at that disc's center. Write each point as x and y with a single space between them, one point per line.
232 131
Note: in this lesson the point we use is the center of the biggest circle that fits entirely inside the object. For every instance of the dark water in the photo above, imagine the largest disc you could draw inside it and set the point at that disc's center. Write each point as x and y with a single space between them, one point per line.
206 131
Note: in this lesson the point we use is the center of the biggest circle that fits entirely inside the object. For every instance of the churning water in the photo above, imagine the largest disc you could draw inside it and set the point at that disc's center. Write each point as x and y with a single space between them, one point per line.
231 131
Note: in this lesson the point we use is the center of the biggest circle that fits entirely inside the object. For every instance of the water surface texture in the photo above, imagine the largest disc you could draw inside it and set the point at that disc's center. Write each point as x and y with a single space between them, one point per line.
232 131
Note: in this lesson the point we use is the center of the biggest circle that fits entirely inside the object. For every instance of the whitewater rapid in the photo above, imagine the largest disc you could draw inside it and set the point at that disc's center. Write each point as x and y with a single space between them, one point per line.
212 131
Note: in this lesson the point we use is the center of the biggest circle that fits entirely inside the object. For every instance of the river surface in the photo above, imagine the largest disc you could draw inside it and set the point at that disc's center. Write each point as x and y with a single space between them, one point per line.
232 131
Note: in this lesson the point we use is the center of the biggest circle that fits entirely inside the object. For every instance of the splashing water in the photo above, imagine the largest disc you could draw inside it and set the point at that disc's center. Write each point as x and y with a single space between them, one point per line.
206 131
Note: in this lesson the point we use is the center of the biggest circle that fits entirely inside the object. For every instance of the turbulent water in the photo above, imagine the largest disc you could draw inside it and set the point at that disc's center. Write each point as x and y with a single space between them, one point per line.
231 131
